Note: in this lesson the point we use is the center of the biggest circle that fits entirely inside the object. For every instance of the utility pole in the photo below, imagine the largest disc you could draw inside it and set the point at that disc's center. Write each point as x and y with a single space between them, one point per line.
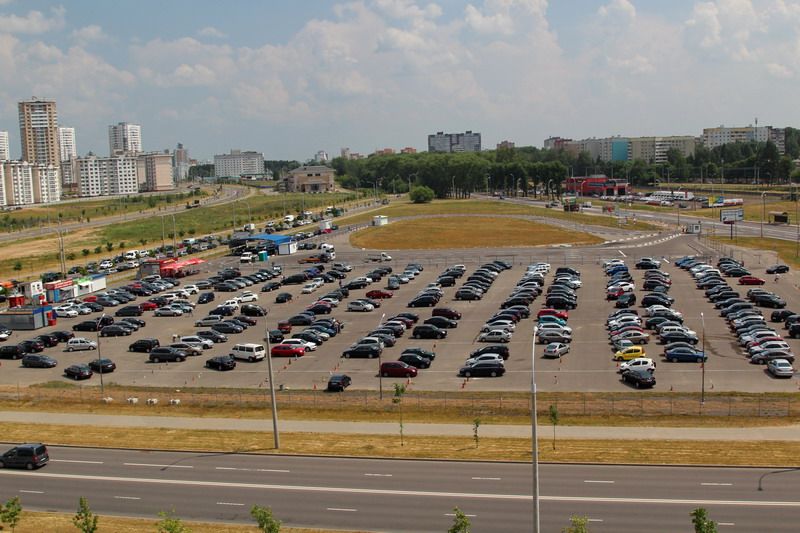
276 436
534 436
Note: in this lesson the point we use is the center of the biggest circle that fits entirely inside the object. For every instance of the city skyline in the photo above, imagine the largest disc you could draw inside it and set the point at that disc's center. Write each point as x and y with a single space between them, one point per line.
290 80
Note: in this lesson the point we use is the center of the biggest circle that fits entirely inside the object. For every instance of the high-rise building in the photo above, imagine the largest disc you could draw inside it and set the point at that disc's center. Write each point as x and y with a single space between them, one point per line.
238 164
321 156
24 183
68 150
454 142
38 131
5 153
154 171
103 176
180 163
654 149
714 137
124 138
505 145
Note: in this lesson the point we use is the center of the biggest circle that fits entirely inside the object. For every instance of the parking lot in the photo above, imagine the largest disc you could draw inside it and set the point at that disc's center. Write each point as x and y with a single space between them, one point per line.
588 366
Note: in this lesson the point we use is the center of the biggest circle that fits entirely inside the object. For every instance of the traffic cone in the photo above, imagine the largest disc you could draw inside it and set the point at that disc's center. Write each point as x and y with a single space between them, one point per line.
315 386
670 388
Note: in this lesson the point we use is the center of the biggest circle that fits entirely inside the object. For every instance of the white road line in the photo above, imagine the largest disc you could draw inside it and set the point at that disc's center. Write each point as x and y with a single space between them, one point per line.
251 469
379 475
467 515
622 253
594 519
342 509
716 484
487 478
390 492
157 466
126 498
31 491
231 503
76 461
597 481
726 523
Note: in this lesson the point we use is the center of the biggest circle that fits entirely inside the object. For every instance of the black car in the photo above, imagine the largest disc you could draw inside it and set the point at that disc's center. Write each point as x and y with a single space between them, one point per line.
626 300
143 345
129 321
558 302
114 330
252 310
441 322
12 351
678 336
483 368
770 300
227 327
86 325
48 340
223 310
63 336
33 360
338 382
32 345
777 269
462 294
417 361
167 354
427 354
214 336
424 301
27 456
656 299
221 362
102 366
320 309
206 297
781 315
309 336
275 336
362 350
301 320
492 348
639 378
283 297
77 372
428 331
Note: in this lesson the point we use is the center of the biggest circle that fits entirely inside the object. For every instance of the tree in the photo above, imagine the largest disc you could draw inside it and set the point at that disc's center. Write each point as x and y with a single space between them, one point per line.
701 522
578 524
399 390
476 423
109 246
11 513
71 256
17 266
553 414
170 523
265 520
421 194
85 520
98 249
86 252
460 522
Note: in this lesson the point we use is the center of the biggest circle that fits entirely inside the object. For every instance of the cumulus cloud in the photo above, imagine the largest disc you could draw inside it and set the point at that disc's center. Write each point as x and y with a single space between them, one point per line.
89 34
211 31
35 22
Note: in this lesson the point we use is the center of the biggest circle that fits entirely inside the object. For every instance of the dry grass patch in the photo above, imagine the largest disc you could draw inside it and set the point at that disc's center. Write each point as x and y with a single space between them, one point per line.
35 522
786 249
466 232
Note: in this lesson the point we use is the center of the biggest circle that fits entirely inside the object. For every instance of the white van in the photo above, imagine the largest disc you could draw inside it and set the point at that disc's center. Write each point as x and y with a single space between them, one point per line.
131 255
288 219
326 247
249 352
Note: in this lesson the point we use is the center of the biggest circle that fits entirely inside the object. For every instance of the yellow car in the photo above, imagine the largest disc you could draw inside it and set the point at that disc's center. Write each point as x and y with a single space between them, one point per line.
629 353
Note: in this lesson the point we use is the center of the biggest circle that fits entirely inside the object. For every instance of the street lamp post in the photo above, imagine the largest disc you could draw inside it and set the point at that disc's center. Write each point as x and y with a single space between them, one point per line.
277 439
763 211
380 374
703 363
100 366
534 436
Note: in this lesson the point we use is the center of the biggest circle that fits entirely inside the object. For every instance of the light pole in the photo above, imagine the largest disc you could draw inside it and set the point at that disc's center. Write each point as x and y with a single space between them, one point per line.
380 374
703 363
174 236
763 211
534 437
678 205
100 367
275 434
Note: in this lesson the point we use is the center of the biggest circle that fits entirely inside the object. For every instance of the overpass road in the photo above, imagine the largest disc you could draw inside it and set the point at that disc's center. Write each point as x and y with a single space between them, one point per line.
405 495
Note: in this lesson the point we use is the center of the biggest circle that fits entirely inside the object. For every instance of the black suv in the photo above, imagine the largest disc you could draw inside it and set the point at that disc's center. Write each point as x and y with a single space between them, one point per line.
28 456
165 353
13 351
143 345
499 349
428 331
129 310
338 382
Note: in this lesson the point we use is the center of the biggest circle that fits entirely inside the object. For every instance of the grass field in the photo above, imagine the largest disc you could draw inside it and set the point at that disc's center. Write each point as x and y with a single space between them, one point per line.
404 208
786 250
465 232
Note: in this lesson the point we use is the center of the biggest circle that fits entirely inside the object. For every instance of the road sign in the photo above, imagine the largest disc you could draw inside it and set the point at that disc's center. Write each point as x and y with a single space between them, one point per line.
729 216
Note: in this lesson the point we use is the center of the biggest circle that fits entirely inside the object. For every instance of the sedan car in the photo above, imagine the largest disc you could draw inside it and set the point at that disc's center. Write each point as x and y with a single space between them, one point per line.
751 280
77 372
168 311
114 330
360 306
555 349
102 366
684 355
780 368
221 362
777 269
639 378
483 368
283 297
397 369
338 382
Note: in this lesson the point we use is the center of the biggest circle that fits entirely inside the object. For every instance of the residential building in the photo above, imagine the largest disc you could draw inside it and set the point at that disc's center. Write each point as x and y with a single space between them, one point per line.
124 138
310 178
238 164
154 171
505 145
5 153
321 156
38 129
68 151
654 149
408 150
180 163
103 176
24 183
384 151
344 153
556 143
454 142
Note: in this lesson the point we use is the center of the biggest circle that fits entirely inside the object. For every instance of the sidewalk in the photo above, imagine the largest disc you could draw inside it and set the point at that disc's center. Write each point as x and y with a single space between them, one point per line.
781 433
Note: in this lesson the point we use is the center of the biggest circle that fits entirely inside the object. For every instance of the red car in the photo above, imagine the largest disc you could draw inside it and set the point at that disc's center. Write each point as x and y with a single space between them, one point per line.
287 350
148 306
90 298
626 328
553 312
750 280
285 326
397 369
379 294
447 313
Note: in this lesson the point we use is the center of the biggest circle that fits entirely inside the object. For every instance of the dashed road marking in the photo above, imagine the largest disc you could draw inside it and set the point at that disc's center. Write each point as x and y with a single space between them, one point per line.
157 466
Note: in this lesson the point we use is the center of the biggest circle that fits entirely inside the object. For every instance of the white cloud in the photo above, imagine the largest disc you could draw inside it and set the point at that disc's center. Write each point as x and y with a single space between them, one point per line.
617 10
34 22
779 71
211 31
184 62
89 34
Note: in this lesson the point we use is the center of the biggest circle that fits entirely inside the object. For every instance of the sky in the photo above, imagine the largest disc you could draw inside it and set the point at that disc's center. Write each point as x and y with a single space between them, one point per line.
291 78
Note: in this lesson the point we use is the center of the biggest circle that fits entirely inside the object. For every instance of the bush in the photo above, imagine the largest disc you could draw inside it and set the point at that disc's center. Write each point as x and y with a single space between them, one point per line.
421 195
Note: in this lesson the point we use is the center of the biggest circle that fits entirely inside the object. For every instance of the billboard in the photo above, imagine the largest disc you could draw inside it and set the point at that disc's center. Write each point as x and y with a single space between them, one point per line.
729 216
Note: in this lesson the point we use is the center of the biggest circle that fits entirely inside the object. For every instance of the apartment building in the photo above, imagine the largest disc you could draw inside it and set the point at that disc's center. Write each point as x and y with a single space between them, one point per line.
310 178
714 137
103 176
124 137
24 183
180 163
38 128
5 152
68 150
454 142
654 149
154 171
238 164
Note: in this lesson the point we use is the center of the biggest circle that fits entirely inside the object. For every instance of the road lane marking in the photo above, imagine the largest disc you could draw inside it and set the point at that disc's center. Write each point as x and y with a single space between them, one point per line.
487 478
622 253
726 524
251 469
126 498
716 484
390 492
231 503
379 475
157 466
597 481
342 509
594 519
76 461
31 491
467 515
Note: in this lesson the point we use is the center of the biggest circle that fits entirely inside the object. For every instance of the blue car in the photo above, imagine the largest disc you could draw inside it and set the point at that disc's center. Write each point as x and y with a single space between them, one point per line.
550 319
685 354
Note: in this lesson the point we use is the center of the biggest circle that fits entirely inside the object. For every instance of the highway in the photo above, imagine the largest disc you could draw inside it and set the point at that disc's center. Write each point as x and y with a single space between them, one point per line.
405 495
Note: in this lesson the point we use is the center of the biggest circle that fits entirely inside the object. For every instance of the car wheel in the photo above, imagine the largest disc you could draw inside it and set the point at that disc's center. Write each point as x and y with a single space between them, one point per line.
69 349
408 375
493 374
156 360
347 356
372 356
181 359
385 374
636 384
416 336
29 466
467 374
673 360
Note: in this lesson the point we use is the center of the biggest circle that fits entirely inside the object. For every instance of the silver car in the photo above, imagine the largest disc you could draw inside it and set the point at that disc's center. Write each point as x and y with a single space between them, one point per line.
780 368
556 349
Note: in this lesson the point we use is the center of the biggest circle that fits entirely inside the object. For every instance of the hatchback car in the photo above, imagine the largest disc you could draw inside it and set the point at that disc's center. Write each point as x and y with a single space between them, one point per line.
77 372
27 456
221 363
338 382
79 343
428 331
397 369
495 335
627 354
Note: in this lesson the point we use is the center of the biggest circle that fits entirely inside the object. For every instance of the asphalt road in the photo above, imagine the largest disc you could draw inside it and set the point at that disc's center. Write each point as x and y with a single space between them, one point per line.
405 496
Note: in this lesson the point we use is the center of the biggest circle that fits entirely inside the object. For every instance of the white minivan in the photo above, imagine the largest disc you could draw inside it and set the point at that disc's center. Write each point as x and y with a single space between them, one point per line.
249 352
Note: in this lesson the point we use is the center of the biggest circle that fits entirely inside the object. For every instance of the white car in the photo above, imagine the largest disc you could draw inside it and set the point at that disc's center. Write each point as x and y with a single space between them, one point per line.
308 346
248 297
79 343
232 303
640 362
105 264
485 357
396 323
547 326
656 308
357 305
624 285
611 262
66 312
500 324
496 335
191 289
308 288
198 342
570 282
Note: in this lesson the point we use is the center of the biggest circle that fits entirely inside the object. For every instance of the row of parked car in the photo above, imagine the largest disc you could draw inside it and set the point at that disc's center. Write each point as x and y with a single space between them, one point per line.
761 343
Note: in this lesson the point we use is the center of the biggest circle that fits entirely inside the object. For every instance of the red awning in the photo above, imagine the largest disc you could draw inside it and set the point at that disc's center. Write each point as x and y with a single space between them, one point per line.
177 265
